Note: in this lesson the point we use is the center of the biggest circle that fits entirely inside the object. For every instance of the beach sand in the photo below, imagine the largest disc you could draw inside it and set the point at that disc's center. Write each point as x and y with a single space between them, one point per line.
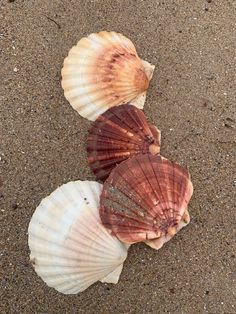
42 145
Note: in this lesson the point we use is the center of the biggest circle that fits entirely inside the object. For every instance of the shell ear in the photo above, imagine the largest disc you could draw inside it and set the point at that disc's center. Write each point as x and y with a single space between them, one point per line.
114 276
119 133
102 71
69 247
148 68
159 242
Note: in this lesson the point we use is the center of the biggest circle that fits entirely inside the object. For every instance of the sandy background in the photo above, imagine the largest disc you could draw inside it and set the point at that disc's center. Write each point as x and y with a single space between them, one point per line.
191 99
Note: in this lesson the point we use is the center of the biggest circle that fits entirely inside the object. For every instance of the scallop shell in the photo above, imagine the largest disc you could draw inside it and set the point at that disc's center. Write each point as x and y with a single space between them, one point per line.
145 198
104 70
70 248
117 134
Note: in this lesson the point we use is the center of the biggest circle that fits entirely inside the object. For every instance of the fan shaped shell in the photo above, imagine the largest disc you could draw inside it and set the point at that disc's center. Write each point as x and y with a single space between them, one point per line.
70 248
104 70
145 198
119 133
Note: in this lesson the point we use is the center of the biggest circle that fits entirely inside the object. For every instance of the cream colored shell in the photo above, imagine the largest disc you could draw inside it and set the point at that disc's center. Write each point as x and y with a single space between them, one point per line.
70 249
104 70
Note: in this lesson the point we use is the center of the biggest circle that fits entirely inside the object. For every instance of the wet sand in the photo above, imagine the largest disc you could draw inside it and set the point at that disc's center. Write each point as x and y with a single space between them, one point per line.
42 145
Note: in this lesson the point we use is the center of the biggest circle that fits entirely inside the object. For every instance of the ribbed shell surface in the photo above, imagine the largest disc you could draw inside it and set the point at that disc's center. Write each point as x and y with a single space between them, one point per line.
144 198
70 248
119 133
159 242
103 70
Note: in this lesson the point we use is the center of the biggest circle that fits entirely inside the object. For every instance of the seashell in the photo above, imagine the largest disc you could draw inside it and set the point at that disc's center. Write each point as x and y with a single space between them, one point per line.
70 248
117 134
145 198
104 70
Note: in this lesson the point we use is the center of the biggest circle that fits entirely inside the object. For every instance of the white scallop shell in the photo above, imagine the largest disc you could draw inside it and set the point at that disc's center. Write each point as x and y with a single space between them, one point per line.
104 70
70 249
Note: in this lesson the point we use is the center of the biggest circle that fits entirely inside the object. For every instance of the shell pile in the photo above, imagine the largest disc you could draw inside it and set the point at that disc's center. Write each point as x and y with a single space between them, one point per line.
81 232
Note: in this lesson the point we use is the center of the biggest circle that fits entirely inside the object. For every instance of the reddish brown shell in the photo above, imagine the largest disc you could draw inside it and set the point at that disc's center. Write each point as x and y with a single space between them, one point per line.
145 198
119 133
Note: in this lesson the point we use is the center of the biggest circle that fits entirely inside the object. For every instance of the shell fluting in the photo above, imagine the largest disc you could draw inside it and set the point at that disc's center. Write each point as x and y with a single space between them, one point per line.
119 133
104 70
145 198
70 248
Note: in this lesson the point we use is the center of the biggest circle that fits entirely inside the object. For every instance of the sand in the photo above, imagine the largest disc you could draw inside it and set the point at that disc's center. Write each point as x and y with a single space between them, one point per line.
191 99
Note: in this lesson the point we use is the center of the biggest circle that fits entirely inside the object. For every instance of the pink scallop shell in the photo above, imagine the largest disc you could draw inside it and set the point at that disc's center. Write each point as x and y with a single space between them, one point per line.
145 198
119 133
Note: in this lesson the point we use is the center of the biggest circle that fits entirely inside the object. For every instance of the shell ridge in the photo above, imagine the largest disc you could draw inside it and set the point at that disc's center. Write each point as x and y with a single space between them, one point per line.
175 186
132 196
129 218
151 165
74 260
182 185
105 163
96 236
101 239
84 283
140 120
119 136
135 188
75 273
128 124
112 128
166 182
151 187
104 157
72 253
123 205
114 145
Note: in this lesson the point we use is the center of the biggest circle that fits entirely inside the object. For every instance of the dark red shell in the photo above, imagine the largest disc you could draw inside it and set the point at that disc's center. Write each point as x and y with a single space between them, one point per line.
144 198
119 133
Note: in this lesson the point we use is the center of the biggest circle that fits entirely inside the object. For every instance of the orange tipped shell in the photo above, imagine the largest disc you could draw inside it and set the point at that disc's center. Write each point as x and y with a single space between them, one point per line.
102 71
119 133
145 198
